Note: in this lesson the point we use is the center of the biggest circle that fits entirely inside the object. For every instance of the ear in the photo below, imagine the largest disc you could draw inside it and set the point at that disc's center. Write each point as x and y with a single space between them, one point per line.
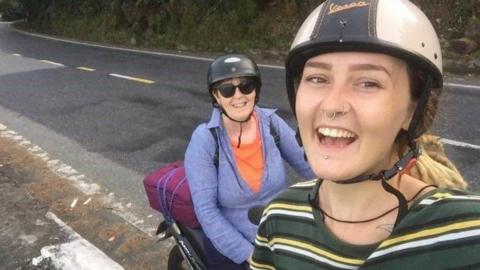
216 96
409 116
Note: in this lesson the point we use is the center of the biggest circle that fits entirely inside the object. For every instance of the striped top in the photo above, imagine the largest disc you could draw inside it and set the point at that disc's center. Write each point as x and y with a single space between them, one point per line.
441 231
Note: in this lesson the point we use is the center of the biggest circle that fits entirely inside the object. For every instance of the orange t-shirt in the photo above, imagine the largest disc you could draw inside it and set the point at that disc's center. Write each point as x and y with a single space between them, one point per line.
249 159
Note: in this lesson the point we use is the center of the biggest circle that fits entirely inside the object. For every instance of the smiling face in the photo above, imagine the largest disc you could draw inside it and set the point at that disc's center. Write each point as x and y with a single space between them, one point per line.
350 107
239 106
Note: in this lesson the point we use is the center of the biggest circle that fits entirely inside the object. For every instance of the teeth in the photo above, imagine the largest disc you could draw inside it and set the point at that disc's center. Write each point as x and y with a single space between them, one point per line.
239 105
335 133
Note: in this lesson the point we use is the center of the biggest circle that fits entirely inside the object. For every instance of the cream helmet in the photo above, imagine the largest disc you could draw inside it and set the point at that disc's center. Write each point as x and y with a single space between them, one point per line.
393 27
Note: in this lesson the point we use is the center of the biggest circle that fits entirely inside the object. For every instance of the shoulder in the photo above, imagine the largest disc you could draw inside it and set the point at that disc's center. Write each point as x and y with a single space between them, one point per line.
293 203
444 210
265 112
202 131
442 223
202 138
298 192
449 200
269 117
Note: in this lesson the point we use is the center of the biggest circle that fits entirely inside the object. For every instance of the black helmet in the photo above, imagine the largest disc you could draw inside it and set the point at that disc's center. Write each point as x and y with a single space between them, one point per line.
232 66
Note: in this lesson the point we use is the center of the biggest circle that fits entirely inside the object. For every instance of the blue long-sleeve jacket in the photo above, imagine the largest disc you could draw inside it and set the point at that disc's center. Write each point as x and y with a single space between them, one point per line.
222 199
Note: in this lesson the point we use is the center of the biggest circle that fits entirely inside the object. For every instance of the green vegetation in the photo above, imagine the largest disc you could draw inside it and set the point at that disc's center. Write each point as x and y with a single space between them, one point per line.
10 10
201 25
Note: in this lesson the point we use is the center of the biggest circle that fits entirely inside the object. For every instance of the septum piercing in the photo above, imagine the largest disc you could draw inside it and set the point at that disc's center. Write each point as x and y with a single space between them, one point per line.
331 116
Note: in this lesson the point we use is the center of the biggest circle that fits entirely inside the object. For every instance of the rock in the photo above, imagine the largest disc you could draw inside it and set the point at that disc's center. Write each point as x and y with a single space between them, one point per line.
182 47
133 40
474 66
462 65
472 29
463 45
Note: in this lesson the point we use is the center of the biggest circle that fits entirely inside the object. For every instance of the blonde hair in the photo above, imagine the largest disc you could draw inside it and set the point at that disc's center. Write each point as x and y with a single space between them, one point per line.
433 167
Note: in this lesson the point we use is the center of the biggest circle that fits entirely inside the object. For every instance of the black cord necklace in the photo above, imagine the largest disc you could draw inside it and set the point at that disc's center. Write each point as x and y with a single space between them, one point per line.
374 218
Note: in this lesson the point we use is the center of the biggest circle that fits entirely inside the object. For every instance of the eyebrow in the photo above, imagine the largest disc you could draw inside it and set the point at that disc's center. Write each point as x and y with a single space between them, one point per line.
361 67
318 65
358 67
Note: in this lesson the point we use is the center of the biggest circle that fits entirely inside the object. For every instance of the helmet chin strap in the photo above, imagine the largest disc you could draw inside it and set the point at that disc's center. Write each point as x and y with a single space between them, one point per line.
222 110
404 164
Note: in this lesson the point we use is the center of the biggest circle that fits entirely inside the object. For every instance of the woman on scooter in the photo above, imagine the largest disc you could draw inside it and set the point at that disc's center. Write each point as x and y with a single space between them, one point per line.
364 80
252 144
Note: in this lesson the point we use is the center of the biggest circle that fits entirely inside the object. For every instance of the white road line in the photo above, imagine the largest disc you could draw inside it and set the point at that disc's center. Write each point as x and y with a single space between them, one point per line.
79 180
113 48
469 86
52 63
131 78
460 144
16 54
76 254
208 59
86 69
167 54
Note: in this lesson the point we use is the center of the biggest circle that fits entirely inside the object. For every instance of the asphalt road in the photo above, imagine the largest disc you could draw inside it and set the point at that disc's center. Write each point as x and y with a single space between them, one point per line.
47 223
115 130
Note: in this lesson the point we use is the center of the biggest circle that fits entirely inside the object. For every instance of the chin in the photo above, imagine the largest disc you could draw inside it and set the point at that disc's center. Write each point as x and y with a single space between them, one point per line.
333 171
243 114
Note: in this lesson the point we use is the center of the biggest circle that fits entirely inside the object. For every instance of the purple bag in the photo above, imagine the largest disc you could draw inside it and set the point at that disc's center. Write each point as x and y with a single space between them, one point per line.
168 192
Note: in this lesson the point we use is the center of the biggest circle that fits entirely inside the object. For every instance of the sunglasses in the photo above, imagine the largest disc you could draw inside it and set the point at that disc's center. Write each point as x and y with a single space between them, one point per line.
228 90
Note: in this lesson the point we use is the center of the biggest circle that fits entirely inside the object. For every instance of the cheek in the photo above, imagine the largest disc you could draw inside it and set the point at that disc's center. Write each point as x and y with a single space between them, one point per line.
251 96
382 122
305 111
300 108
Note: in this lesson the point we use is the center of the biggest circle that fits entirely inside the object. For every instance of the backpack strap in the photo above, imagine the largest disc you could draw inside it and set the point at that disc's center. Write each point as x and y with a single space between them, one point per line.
215 138
274 133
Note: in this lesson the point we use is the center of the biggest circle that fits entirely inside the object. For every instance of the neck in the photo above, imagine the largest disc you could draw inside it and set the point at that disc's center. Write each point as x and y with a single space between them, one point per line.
248 128
356 201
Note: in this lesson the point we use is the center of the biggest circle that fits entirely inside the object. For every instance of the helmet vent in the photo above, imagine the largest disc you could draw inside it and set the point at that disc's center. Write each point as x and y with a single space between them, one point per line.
423 44
435 55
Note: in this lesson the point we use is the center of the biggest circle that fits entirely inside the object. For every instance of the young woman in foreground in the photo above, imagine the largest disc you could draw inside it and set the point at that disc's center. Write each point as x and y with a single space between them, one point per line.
364 79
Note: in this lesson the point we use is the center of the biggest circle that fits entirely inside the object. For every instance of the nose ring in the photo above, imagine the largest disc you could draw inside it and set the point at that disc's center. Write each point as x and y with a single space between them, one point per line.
333 114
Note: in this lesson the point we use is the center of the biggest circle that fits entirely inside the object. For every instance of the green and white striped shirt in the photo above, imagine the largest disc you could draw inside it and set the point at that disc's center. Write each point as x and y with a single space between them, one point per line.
441 231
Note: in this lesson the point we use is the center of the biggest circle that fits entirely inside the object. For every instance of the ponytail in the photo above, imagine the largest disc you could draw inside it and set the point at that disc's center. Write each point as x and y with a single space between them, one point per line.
433 167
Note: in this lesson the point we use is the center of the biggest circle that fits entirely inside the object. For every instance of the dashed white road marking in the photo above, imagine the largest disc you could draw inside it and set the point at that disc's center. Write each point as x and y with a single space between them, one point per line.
208 59
80 181
74 202
16 54
86 69
78 253
131 78
468 86
460 144
52 63
87 201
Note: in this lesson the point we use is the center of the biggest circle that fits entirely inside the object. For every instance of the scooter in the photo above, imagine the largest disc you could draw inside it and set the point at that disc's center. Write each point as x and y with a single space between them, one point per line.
188 252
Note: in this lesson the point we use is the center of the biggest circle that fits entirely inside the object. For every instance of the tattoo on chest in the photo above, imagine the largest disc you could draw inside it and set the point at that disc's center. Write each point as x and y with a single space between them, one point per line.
386 227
